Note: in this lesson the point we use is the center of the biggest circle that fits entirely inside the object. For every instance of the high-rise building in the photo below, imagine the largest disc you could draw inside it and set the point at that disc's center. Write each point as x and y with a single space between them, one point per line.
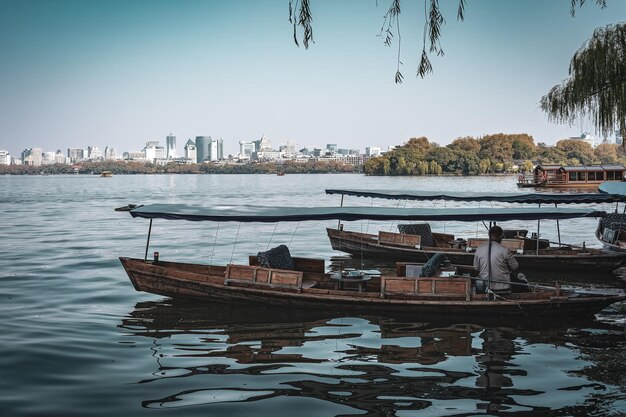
372 151
59 158
216 149
190 151
247 148
263 144
202 148
290 148
47 158
212 150
134 155
153 151
5 158
94 153
75 154
331 147
109 153
220 149
32 156
170 146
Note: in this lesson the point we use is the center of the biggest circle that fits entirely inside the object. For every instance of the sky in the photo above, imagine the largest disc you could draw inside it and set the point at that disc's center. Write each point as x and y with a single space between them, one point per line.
78 73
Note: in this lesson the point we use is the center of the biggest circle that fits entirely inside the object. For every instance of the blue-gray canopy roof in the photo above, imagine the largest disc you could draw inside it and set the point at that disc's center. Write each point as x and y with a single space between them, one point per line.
250 214
532 198
613 188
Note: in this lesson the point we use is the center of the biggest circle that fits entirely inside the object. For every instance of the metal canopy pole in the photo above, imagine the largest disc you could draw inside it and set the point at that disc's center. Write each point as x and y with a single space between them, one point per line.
537 242
339 221
145 258
538 228
558 228
621 219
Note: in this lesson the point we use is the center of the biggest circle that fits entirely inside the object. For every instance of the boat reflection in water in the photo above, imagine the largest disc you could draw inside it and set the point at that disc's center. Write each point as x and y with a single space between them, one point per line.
255 361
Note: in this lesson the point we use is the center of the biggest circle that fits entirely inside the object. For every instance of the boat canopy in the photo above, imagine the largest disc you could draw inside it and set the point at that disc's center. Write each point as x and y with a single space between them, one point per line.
532 198
613 188
251 214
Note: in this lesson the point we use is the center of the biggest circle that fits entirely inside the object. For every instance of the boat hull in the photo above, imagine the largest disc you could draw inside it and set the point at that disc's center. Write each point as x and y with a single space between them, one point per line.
179 280
359 245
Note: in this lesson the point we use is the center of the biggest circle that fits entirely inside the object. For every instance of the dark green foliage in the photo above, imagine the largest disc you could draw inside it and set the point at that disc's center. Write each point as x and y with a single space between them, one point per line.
489 154
596 86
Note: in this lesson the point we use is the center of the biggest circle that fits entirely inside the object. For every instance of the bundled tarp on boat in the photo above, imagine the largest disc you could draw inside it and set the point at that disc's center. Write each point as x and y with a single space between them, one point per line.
525 198
251 214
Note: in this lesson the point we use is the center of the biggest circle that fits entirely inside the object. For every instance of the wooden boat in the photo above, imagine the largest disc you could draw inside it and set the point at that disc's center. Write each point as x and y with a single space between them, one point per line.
402 247
531 253
106 174
308 285
611 230
579 176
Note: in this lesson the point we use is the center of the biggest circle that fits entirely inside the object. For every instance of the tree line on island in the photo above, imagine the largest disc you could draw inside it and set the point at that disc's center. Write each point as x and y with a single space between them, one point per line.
490 154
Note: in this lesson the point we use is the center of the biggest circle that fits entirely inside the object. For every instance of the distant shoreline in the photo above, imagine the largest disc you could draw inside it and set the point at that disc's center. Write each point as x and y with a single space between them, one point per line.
98 174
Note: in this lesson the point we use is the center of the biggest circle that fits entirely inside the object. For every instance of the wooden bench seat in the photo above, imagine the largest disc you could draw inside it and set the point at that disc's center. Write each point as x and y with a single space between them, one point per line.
266 277
399 239
455 288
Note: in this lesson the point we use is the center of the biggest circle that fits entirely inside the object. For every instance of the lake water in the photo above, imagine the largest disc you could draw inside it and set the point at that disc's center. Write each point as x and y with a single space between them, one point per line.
77 339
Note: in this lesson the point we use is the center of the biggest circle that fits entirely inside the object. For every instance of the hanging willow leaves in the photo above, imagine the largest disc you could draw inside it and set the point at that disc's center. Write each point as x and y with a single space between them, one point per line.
596 86
300 17
579 3
303 19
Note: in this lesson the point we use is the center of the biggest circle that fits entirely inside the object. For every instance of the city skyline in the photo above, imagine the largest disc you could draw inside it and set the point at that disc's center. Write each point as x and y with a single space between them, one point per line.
113 73
205 148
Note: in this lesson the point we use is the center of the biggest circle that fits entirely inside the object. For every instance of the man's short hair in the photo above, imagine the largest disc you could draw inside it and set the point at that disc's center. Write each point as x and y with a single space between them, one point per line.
496 232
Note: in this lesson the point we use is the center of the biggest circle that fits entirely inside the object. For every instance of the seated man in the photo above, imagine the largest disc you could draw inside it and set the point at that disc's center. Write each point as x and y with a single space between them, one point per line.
503 263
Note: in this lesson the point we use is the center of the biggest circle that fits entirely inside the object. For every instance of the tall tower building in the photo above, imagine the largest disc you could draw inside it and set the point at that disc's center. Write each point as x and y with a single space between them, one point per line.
190 151
202 148
170 146
216 149
220 149
212 150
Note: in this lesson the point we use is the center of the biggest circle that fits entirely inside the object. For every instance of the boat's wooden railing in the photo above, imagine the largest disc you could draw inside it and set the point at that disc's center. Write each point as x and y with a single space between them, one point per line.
443 240
300 264
266 277
399 239
514 245
431 287
401 268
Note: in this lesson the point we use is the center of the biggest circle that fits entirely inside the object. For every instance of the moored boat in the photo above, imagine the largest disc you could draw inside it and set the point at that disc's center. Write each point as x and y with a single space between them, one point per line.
307 284
565 259
417 243
611 230
576 176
